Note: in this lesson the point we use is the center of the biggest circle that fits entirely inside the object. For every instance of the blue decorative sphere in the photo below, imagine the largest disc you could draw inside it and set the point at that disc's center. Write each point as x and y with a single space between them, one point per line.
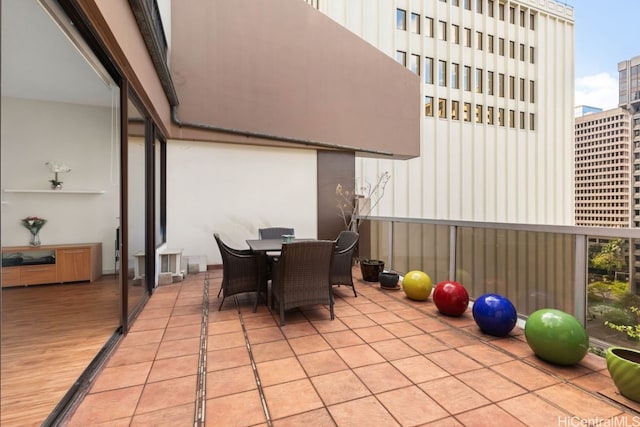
556 336
494 314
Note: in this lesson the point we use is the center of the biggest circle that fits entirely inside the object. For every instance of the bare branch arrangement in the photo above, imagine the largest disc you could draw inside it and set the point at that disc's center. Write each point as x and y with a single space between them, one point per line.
355 205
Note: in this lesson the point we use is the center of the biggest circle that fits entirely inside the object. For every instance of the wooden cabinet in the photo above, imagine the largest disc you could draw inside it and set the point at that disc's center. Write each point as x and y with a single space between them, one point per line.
25 265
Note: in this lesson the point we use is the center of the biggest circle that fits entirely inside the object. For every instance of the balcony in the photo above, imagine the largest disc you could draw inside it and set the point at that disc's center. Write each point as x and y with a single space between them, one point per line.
384 360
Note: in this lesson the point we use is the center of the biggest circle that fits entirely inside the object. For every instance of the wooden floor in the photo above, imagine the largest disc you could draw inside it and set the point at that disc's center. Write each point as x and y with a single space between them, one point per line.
50 334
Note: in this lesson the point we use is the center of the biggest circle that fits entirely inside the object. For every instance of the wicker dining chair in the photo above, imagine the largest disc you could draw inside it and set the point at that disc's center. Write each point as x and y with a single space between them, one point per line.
341 269
301 275
240 272
274 232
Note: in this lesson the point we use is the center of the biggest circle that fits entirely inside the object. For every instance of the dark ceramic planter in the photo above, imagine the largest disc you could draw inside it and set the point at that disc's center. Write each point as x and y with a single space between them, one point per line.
371 269
388 279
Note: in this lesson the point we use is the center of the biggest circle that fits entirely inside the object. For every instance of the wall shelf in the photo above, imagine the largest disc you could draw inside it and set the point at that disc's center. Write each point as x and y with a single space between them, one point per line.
9 190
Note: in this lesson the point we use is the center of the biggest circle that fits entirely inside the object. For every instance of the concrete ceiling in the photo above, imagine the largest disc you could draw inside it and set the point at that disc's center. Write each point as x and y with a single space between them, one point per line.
40 62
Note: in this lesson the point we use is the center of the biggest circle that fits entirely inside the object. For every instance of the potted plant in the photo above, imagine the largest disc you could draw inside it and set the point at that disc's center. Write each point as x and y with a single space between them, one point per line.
353 207
623 363
371 269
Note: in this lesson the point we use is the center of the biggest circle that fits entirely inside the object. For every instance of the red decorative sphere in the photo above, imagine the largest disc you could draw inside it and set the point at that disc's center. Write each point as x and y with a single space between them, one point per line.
451 298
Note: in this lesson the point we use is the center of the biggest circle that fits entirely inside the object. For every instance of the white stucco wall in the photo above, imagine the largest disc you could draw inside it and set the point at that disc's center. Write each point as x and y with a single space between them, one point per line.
234 190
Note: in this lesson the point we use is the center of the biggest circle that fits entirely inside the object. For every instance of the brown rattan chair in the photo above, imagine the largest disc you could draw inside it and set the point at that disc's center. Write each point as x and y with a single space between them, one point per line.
301 275
341 273
274 232
240 272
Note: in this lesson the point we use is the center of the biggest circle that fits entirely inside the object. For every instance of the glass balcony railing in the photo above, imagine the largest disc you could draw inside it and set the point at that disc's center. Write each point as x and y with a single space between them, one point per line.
592 273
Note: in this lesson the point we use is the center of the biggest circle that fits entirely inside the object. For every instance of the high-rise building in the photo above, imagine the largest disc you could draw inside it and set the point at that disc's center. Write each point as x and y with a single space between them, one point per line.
629 90
603 169
497 92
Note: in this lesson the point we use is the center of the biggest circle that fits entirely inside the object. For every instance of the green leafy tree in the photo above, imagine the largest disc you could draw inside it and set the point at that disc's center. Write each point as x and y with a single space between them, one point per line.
611 256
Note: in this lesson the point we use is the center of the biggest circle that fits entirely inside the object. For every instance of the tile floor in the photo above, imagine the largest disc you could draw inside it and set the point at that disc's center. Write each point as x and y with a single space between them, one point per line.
384 361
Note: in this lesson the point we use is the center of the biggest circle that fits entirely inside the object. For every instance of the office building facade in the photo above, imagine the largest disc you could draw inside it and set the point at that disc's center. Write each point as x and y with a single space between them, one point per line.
497 115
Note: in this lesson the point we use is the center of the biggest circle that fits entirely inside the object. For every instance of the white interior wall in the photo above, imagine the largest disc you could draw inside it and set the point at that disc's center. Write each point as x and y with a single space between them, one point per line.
34 132
234 190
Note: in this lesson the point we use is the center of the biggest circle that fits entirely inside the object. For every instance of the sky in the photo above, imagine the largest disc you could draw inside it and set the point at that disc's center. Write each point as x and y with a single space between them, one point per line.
605 34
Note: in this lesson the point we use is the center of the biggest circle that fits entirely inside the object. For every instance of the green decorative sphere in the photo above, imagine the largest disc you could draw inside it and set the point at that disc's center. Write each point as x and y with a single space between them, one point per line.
556 336
417 285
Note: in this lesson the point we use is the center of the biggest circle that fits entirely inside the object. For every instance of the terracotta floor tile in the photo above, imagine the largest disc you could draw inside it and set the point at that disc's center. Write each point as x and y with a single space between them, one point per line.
291 398
534 411
178 348
514 346
357 321
453 361
166 394
453 395
271 351
316 418
361 412
393 349
140 325
566 372
227 358
338 387
453 338
346 311
182 332
308 344
240 409
223 326
576 401
490 384
424 343
321 362
262 335
342 338
141 338
178 416
228 340
382 377
105 406
155 313
359 355
189 300
419 369
411 406
402 329
134 354
429 324
301 329
259 322
485 354
384 317
372 334
326 326
594 382
369 307
184 320
491 415
122 376
280 371
186 310
230 381
594 362
410 314
525 375
174 367
215 315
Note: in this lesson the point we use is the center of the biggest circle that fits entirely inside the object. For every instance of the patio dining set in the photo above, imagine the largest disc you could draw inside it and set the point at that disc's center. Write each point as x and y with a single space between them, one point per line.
291 272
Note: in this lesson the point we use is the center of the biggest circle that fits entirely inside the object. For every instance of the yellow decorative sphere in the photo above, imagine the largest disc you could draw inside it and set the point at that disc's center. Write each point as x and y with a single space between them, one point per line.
417 285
